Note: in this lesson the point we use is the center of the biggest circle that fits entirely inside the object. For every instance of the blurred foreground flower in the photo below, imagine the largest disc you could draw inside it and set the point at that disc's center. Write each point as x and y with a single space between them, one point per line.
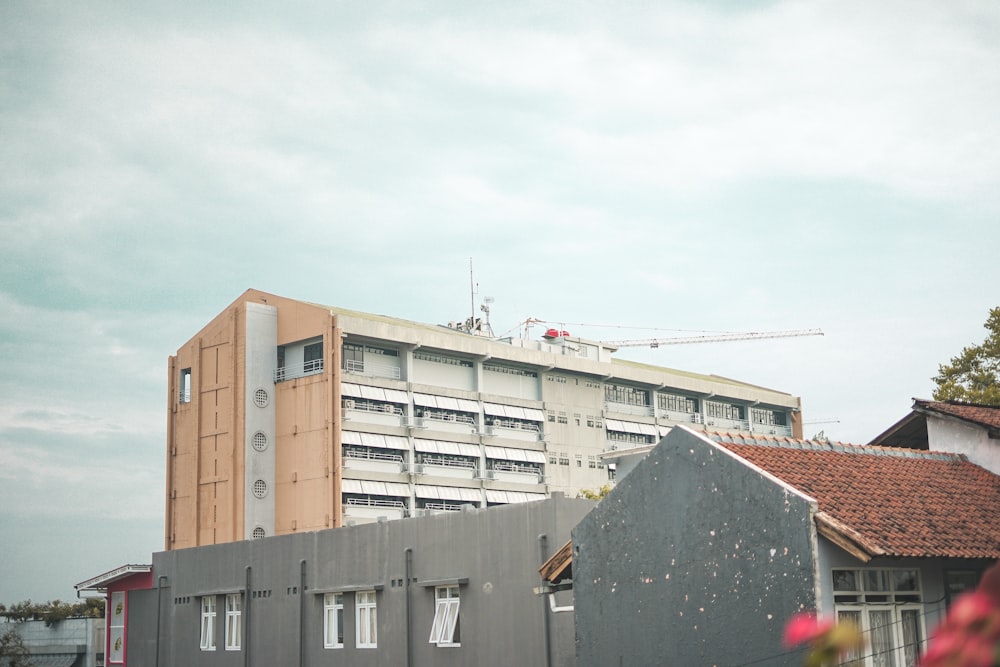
828 641
970 635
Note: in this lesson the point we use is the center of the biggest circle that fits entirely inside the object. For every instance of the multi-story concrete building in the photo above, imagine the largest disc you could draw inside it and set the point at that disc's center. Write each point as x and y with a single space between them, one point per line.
287 416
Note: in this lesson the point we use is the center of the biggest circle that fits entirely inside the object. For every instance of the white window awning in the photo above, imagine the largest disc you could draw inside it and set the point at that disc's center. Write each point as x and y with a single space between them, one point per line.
430 492
396 396
373 488
494 496
374 440
514 454
630 427
351 389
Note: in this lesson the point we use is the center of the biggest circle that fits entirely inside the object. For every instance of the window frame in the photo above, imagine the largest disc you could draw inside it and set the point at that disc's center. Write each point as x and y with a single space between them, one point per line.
333 610
208 617
887 597
447 623
366 619
234 621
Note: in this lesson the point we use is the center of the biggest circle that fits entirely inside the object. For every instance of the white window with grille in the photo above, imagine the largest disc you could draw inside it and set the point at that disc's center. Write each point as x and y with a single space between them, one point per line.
887 606
208 623
333 620
234 621
365 620
445 631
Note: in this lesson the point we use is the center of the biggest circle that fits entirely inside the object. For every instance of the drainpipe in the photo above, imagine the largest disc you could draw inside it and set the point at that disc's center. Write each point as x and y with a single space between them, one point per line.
543 552
408 558
159 585
302 614
247 635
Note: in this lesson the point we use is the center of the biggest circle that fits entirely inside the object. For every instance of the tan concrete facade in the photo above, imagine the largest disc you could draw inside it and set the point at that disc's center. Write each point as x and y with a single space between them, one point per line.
206 462
265 404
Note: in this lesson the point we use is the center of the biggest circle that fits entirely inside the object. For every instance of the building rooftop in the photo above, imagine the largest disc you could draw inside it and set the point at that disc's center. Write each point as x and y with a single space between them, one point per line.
911 430
886 501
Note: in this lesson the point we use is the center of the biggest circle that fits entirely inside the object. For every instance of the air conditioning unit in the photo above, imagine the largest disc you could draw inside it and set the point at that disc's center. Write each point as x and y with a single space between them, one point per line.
421 512
417 469
348 404
491 474
387 408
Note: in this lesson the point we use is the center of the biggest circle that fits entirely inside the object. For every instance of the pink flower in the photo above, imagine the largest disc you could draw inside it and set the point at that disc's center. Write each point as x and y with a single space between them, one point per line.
803 628
969 636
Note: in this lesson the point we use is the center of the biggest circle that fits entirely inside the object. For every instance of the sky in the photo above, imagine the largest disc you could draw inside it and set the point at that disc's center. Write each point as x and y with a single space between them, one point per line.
622 169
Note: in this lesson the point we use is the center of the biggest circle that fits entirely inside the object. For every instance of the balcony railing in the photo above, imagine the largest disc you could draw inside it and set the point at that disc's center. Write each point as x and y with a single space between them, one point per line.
371 369
372 456
448 463
510 466
772 429
375 502
366 406
628 409
298 370
678 416
732 424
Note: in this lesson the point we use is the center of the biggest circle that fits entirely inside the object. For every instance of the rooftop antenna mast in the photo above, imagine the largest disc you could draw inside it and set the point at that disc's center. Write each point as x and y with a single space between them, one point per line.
472 298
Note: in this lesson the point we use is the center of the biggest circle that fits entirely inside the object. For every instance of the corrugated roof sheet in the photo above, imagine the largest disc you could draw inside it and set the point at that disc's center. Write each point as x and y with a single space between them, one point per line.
908 503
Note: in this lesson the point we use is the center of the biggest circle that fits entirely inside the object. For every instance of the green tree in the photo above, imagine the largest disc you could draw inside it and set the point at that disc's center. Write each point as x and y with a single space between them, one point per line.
13 652
974 375
595 495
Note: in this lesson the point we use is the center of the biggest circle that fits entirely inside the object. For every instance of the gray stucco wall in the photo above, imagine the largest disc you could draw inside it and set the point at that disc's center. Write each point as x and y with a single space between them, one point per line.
694 559
494 553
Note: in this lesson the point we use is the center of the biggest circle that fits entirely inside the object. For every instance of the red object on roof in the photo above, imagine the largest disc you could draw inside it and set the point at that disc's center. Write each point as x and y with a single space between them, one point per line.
555 333
895 502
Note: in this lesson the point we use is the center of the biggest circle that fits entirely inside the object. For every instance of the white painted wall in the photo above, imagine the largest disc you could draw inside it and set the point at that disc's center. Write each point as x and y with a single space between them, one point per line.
948 435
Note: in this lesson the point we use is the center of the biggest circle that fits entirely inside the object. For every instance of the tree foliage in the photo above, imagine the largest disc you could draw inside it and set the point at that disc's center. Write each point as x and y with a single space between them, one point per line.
599 494
54 611
974 375
13 652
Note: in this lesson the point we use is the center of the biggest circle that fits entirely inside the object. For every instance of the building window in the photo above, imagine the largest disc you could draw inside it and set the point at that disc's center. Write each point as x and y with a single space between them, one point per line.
440 359
208 623
592 462
365 619
768 417
617 393
886 604
333 620
185 386
445 631
312 358
677 403
724 410
234 624
564 458
562 418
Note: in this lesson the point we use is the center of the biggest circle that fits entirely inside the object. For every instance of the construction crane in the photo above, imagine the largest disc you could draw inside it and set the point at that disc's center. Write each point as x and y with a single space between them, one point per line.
717 338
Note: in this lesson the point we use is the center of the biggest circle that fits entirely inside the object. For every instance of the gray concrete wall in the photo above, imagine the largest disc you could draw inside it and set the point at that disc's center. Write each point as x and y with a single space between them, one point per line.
494 554
78 637
695 558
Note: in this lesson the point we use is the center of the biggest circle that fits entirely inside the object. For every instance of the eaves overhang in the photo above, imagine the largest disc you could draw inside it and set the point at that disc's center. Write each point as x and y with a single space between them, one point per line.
846 538
100 583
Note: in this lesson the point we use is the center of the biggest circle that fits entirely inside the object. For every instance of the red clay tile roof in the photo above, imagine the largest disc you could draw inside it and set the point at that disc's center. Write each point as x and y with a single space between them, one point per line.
901 502
984 415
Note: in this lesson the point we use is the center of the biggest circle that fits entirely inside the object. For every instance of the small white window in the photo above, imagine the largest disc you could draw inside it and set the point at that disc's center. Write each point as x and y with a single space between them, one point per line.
185 386
234 625
366 619
445 631
208 623
333 620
